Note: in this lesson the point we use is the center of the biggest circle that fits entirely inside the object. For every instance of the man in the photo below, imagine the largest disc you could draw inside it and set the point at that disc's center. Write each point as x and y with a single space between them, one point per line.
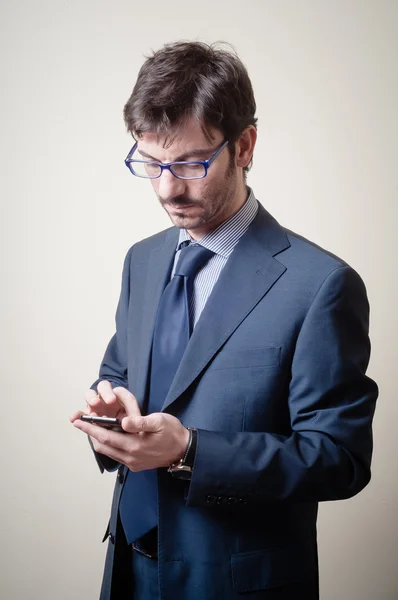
238 364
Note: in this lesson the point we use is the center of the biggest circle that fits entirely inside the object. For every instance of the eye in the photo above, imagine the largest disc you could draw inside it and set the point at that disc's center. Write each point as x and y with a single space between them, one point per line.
151 168
195 167
189 170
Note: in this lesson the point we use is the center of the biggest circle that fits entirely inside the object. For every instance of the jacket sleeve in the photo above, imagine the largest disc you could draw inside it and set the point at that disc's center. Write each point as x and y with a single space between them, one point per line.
114 364
331 402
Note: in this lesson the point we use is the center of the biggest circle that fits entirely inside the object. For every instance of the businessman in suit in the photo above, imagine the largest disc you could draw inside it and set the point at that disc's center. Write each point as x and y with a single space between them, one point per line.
238 364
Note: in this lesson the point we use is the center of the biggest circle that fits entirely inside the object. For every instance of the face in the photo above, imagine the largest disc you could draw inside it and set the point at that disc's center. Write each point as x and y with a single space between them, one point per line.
196 205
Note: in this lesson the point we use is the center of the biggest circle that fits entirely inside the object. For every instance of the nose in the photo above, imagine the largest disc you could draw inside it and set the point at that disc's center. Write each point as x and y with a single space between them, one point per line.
170 186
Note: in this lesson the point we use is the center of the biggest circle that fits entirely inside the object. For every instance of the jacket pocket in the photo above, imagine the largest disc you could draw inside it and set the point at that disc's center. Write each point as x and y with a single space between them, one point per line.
274 567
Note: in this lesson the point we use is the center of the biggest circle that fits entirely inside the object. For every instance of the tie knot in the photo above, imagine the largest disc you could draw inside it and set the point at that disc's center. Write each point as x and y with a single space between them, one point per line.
191 259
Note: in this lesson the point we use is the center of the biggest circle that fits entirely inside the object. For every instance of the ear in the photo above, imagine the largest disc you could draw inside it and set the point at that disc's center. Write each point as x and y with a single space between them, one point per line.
245 146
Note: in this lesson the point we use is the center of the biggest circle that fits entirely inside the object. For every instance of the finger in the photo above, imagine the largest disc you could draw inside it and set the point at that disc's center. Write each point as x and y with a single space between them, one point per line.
117 446
76 415
79 413
114 453
90 395
106 392
92 399
103 400
128 401
150 424
129 455
104 436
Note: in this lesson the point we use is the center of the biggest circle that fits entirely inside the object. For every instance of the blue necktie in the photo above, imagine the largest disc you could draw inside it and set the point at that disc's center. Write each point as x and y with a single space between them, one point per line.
139 503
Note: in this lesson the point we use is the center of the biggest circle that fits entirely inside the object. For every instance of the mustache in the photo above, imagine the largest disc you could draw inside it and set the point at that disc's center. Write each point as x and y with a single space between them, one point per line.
178 201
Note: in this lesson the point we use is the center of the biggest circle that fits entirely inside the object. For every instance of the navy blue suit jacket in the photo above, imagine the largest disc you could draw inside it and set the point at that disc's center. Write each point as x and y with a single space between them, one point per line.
274 380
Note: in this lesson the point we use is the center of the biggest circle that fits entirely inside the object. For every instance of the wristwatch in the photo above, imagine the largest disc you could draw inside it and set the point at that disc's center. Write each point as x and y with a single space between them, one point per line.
183 468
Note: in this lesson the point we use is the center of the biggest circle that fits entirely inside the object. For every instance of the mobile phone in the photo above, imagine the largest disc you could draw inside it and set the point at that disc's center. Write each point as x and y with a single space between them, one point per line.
107 422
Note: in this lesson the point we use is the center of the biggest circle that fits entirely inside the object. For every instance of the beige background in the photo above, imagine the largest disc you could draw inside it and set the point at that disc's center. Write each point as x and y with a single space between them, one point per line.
325 77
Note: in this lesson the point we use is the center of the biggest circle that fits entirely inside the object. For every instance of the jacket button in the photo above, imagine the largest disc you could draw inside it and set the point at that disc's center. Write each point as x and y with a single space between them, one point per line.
242 501
232 500
210 499
221 500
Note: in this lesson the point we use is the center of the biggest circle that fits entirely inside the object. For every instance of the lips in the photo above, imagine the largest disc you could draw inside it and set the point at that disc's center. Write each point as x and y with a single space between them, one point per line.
181 206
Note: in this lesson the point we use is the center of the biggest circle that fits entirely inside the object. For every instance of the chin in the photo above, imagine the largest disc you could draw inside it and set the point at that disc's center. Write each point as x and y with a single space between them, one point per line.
182 223
185 222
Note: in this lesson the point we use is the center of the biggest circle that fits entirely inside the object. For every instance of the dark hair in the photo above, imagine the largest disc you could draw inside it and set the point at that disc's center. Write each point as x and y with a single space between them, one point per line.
191 79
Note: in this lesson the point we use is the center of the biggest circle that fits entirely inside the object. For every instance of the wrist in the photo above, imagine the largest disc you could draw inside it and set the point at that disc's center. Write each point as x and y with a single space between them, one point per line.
183 468
186 441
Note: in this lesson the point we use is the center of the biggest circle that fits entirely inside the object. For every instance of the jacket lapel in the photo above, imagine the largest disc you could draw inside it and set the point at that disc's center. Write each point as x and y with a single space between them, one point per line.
250 272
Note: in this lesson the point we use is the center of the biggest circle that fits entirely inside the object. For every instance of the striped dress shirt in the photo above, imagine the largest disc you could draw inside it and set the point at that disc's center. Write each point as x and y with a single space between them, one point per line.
221 241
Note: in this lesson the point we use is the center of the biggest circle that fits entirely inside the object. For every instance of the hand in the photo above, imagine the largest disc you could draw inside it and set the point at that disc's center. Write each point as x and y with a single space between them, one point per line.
105 402
154 441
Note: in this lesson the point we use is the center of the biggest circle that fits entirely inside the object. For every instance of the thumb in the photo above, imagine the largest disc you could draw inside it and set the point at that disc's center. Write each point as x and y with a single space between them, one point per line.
150 424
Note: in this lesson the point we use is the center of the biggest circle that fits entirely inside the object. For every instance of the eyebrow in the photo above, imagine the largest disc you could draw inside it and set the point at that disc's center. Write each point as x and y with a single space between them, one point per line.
202 152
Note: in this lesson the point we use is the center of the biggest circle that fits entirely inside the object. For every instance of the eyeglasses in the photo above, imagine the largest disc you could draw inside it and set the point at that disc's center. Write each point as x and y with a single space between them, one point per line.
150 169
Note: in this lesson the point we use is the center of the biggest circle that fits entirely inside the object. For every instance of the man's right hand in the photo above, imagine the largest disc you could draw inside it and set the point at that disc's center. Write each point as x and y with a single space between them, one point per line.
105 403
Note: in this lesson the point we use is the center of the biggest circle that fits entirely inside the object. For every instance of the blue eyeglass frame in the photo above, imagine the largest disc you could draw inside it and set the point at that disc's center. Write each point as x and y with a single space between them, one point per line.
206 163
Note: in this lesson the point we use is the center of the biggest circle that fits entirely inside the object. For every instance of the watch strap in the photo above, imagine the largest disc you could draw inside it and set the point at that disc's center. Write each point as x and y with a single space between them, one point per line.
183 468
189 457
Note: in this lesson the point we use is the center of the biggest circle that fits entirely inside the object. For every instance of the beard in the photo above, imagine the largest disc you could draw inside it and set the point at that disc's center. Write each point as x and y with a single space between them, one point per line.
208 211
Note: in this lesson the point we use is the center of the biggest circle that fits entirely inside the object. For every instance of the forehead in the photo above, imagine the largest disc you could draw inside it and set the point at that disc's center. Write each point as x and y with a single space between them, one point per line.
186 138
